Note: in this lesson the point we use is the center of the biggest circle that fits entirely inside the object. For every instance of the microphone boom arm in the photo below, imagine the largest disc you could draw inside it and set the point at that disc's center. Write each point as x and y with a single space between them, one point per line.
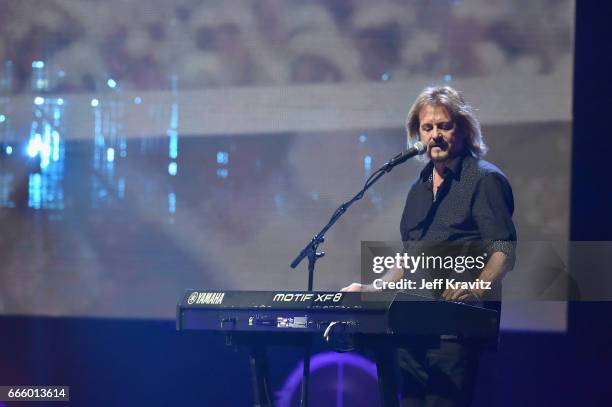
310 251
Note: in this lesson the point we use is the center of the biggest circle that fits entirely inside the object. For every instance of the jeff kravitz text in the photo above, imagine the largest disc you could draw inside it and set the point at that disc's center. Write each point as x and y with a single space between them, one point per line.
435 284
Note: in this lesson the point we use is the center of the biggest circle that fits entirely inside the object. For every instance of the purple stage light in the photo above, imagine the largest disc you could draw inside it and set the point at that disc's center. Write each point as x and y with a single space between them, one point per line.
336 379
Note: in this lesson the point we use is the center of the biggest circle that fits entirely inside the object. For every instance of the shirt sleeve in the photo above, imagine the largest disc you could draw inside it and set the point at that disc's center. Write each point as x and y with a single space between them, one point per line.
492 210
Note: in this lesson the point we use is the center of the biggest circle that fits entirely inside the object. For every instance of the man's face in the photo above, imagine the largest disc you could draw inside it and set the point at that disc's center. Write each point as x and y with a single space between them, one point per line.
437 131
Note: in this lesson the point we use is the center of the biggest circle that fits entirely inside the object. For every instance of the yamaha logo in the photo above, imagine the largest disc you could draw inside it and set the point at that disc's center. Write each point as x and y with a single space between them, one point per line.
198 298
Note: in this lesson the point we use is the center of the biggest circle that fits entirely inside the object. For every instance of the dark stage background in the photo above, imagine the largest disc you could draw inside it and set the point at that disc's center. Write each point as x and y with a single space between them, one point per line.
148 147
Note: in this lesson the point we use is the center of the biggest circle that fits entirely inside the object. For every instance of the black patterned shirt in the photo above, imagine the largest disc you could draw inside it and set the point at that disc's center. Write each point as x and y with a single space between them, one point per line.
474 203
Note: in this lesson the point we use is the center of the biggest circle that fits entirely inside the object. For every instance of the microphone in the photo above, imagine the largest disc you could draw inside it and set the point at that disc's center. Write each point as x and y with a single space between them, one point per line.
417 149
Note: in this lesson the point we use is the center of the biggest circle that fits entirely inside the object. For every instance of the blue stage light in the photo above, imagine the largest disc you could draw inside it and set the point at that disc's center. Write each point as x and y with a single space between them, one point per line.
367 162
172 202
172 168
110 154
222 157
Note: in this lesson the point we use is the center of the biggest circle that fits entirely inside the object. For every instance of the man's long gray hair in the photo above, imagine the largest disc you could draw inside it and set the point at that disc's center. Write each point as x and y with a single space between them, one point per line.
462 114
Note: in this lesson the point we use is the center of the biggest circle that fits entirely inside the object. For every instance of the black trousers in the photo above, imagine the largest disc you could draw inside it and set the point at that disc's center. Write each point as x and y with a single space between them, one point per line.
440 375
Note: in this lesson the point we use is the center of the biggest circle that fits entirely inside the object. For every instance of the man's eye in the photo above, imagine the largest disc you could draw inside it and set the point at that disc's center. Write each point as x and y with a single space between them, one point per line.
446 126
426 128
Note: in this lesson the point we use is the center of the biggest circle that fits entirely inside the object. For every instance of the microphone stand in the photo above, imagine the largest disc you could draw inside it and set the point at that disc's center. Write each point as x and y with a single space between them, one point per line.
310 252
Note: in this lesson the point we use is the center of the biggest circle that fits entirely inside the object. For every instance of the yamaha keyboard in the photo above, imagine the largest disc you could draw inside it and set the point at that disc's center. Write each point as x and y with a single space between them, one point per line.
375 321
386 313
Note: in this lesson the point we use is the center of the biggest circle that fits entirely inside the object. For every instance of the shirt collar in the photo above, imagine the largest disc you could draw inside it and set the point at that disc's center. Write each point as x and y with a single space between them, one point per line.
454 167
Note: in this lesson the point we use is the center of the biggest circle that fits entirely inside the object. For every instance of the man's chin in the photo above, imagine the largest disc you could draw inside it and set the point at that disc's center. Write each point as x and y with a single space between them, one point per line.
439 157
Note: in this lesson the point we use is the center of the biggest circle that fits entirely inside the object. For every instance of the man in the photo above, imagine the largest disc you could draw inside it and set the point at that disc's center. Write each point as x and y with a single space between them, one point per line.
458 197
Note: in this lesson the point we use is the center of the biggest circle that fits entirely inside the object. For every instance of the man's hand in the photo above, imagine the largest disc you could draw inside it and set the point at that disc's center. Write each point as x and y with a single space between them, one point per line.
462 294
493 271
359 288
353 288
